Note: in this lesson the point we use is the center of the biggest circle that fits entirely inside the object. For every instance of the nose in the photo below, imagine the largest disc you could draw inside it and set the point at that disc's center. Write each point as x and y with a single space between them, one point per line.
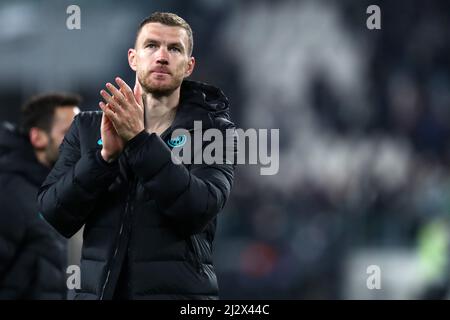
163 56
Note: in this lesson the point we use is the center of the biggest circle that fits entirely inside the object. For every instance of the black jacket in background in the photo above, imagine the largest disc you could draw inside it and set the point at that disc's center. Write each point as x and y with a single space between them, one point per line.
32 254
149 223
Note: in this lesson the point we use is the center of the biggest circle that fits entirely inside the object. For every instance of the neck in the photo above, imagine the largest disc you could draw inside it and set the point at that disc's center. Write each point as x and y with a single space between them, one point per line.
160 111
42 159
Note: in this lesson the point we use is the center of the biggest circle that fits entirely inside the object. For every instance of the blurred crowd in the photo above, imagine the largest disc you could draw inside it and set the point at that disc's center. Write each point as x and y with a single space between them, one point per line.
364 127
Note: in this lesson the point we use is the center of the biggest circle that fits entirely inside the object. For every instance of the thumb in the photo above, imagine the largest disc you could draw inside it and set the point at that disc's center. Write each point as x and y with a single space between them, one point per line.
103 115
138 91
103 124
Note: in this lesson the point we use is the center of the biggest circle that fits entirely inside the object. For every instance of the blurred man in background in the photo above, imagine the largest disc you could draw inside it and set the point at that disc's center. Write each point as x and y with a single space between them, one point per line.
32 254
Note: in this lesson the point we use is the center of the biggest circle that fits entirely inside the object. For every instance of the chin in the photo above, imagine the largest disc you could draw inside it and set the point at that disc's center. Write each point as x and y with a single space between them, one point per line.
162 88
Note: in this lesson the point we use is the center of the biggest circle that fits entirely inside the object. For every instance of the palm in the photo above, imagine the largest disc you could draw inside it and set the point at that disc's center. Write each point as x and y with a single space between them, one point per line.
112 142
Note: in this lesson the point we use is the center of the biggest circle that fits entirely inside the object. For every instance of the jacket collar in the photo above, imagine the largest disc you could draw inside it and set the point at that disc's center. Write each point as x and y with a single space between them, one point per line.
199 102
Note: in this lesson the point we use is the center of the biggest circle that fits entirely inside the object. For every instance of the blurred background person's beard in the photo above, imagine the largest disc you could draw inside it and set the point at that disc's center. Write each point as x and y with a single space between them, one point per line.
51 151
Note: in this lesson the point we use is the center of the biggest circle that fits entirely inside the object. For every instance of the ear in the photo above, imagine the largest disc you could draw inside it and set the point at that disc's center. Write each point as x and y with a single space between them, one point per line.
38 138
132 59
190 67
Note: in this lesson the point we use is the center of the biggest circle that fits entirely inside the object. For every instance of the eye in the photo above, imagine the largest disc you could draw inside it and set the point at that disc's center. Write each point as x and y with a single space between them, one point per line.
175 49
151 45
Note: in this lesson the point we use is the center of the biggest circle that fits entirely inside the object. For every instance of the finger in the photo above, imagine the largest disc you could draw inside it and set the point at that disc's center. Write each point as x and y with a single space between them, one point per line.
108 99
103 106
108 112
117 110
137 91
105 119
118 96
125 89
112 102
103 116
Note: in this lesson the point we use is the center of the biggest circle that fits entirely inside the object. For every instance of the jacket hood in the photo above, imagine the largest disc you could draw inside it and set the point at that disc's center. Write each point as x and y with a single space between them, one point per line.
17 155
201 101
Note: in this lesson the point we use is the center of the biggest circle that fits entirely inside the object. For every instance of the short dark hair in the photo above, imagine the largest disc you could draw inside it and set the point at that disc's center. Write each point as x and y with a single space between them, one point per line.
171 20
39 110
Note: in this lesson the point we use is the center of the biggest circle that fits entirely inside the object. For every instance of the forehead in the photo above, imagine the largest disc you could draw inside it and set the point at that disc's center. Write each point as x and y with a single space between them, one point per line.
162 33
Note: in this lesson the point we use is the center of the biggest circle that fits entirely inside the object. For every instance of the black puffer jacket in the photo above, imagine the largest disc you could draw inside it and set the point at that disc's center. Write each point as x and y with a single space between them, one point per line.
32 254
146 219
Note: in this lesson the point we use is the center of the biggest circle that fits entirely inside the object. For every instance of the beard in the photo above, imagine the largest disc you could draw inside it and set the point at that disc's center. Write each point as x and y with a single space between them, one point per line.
51 152
157 88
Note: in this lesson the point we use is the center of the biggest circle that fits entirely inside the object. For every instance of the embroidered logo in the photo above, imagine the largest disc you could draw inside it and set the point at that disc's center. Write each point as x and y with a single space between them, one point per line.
177 141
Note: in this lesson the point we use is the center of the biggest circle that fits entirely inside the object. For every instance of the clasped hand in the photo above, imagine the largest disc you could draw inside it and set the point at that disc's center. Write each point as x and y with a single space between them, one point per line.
123 117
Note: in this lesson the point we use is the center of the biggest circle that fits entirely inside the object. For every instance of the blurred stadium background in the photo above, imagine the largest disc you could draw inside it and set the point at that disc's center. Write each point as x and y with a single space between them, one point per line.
364 119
